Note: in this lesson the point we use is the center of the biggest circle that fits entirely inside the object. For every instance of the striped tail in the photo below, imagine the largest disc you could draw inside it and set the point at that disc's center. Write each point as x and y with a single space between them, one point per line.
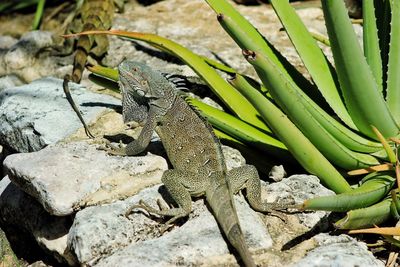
83 47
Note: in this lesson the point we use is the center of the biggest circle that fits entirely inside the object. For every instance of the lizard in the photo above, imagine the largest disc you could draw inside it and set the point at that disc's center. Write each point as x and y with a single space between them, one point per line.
90 15
193 149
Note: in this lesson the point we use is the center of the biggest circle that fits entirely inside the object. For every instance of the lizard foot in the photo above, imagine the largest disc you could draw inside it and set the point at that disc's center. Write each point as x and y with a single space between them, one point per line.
164 211
141 205
279 214
112 149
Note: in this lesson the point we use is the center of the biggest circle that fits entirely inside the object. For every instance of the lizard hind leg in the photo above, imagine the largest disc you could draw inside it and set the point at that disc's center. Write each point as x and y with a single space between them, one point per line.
246 177
174 182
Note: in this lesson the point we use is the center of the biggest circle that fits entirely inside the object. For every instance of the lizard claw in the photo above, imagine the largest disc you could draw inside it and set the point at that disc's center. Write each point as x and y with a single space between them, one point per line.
141 205
165 228
162 205
279 214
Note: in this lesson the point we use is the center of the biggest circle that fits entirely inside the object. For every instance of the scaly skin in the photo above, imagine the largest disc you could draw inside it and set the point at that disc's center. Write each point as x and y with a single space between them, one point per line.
193 149
91 15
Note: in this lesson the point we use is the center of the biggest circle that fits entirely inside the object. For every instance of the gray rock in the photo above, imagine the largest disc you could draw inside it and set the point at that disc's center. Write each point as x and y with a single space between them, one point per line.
340 250
298 188
9 81
103 236
66 177
29 58
6 42
277 173
233 158
21 211
98 232
38 114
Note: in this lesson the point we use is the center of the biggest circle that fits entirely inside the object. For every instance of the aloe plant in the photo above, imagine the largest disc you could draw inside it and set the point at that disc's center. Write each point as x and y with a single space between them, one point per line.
362 96
362 89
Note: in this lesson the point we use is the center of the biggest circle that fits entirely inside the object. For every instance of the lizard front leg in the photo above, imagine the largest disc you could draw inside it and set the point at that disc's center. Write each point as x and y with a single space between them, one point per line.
138 145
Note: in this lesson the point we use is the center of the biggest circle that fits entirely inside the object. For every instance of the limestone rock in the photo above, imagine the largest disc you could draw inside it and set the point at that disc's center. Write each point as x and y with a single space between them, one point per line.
277 173
22 212
100 231
38 114
103 236
29 59
66 177
233 158
341 250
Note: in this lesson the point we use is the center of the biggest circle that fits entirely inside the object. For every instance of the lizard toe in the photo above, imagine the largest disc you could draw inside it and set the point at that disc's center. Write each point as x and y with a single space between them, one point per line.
165 228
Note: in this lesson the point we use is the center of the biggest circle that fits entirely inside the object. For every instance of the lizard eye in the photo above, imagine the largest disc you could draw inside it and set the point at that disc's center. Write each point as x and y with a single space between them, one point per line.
143 83
140 93
134 69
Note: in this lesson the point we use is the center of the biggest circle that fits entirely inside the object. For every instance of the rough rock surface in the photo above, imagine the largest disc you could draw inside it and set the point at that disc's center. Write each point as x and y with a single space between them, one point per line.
341 250
136 240
38 114
24 213
28 58
66 177
110 230
169 19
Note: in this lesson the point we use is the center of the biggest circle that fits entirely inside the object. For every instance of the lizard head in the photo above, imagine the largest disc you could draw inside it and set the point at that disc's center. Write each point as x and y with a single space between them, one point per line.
134 86
140 85
140 81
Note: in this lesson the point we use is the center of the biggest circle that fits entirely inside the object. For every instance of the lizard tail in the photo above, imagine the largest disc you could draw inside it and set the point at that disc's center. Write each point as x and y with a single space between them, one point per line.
83 47
79 65
222 205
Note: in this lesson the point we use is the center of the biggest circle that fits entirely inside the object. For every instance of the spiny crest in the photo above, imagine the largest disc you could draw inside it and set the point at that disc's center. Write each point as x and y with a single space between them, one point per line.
179 82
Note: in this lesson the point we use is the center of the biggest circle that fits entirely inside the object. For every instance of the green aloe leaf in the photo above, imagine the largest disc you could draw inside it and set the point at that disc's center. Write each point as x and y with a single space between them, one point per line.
371 42
375 187
393 79
301 148
366 217
38 14
291 102
240 130
253 156
219 66
386 146
356 80
248 38
346 136
314 60
105 72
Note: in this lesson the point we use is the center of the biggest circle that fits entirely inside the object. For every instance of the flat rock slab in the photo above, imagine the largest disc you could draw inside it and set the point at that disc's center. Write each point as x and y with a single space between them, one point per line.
66 177
38 114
